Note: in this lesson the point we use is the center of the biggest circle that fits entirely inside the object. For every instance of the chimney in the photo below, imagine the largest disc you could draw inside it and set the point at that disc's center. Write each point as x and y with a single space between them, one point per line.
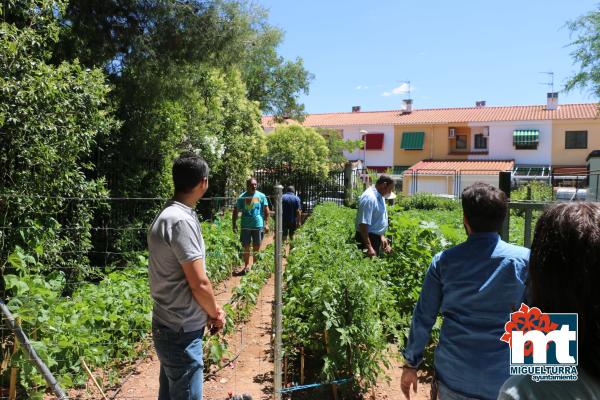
407 106
552 101
480 103
355 108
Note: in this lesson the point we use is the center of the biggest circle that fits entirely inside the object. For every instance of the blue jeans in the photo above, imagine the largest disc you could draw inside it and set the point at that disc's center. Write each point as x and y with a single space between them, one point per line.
445 393
181 364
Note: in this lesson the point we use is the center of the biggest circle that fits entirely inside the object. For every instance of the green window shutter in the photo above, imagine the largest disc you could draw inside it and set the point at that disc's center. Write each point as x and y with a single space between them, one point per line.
412 140
526 137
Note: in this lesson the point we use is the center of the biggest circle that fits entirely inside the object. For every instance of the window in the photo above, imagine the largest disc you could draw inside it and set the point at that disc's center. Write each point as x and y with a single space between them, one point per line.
576 139
526 139
373 141
461 142
480 141
412 140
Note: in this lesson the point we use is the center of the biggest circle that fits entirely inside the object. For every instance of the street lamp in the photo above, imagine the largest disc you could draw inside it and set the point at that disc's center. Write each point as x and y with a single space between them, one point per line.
363 133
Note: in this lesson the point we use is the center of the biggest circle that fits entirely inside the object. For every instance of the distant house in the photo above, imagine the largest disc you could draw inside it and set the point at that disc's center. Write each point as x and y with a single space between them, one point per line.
375 128
537 138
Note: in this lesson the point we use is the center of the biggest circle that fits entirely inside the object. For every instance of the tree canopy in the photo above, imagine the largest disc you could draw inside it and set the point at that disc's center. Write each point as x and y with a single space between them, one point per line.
297 149
587 52
337 145
115 34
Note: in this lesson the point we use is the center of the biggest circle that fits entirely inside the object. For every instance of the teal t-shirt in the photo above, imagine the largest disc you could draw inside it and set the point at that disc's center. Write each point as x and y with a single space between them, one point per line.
251 206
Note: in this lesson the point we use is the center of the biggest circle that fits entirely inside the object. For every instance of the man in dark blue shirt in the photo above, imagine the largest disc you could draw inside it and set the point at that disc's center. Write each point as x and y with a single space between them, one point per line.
291 212
475 286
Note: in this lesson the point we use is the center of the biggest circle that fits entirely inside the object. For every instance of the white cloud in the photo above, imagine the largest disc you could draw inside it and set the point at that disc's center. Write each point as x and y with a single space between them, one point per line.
361 87
403 88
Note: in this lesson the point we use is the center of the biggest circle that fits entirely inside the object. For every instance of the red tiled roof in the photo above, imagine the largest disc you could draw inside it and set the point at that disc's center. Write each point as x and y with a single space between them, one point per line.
428 167
450 115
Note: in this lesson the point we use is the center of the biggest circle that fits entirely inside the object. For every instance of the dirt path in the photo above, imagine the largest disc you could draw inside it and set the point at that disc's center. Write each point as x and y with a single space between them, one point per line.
252 371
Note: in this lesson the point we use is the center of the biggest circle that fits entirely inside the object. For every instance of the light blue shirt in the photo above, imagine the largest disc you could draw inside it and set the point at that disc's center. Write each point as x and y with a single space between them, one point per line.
372 211
475 286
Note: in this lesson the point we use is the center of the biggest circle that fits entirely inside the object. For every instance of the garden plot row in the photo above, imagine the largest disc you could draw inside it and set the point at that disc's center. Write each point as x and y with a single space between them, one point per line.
342 311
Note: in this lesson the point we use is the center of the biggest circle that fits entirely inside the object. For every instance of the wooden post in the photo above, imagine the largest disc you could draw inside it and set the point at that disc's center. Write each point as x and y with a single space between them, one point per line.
14 371
302 365
333 385
285 377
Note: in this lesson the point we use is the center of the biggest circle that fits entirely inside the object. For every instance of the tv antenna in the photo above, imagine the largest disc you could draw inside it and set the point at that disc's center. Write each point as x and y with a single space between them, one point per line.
551 77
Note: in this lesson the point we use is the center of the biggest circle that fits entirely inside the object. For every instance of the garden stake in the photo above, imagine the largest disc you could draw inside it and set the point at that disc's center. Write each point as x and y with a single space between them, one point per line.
12 388
89 372
302 365
333 385
285 372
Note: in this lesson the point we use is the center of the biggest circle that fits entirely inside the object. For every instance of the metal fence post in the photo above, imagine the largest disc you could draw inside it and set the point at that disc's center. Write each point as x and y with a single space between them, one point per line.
527 233
504 184
348 184
278 287
39 364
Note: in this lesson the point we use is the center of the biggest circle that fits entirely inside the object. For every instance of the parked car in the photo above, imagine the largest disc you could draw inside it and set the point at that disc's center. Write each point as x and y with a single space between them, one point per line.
569 194
309 202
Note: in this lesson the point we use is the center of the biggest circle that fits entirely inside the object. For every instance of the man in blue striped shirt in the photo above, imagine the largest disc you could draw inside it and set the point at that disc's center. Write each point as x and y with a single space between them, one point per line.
475 286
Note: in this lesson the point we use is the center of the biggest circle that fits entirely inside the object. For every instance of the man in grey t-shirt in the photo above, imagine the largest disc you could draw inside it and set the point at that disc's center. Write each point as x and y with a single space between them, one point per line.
184 302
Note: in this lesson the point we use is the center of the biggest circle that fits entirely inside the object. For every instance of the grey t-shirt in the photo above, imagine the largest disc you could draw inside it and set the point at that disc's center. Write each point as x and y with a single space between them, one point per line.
521 387
174 238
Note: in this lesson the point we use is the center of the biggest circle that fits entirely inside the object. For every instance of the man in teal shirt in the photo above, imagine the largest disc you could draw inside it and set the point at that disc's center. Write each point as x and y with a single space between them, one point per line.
255 219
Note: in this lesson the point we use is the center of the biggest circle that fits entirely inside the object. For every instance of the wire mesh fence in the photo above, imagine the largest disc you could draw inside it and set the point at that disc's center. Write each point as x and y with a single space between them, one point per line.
74 273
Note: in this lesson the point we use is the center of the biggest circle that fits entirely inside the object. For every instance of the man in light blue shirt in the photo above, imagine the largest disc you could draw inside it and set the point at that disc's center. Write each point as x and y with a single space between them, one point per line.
372 218
475 286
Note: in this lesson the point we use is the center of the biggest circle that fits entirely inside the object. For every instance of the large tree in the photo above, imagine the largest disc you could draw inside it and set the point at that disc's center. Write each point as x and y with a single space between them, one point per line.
222 33
189 107
587 52
50 117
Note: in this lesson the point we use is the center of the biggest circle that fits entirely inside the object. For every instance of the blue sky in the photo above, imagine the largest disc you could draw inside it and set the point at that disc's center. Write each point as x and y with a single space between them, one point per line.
452 52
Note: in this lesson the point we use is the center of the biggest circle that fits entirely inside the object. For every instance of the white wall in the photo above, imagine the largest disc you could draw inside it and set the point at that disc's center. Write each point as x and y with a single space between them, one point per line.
377 158
500 142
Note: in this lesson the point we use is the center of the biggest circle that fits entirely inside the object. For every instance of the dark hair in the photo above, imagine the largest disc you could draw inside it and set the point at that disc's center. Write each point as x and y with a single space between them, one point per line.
564 272
384 179
484 206
290 189
250 180
188 170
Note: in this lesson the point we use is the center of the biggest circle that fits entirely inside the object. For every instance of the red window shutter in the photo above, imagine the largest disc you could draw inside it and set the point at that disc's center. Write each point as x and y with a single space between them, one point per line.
373 141
377 169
